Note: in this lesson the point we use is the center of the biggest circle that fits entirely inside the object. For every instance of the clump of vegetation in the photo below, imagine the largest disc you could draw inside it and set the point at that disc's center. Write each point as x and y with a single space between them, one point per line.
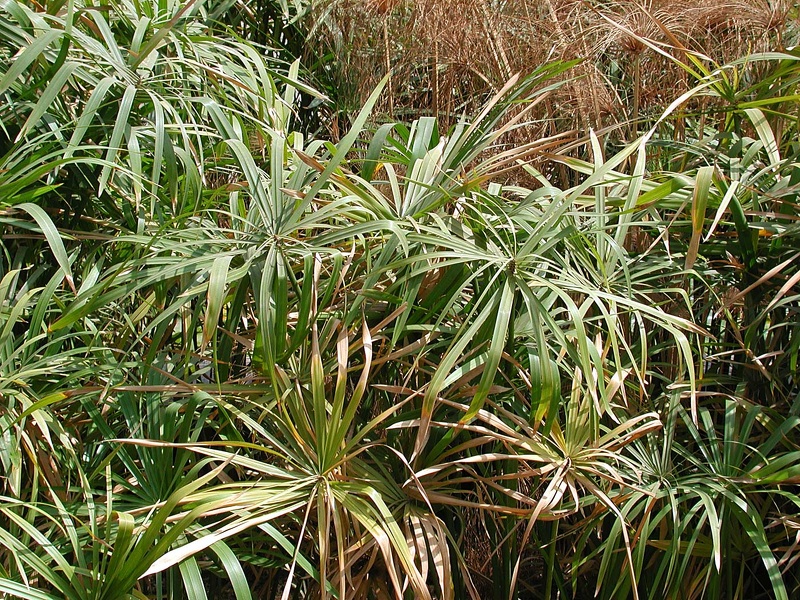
457 352
448 58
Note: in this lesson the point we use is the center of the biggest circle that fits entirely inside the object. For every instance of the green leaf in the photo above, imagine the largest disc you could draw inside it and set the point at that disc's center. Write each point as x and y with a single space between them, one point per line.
217 280
48 97
496 347
114 143
702 188
765 134
31 53
233 568
53 239
192 580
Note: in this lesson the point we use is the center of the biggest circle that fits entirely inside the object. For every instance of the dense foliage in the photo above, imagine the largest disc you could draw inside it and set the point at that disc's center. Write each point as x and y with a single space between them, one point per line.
240 360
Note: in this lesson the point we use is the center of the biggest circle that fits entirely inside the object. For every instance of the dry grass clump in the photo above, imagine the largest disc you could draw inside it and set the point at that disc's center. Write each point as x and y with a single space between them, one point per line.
730 25
448 56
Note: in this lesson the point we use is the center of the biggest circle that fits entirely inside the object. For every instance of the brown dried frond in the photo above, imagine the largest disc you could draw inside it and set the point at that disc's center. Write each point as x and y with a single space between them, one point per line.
631 24
728 15
725 29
